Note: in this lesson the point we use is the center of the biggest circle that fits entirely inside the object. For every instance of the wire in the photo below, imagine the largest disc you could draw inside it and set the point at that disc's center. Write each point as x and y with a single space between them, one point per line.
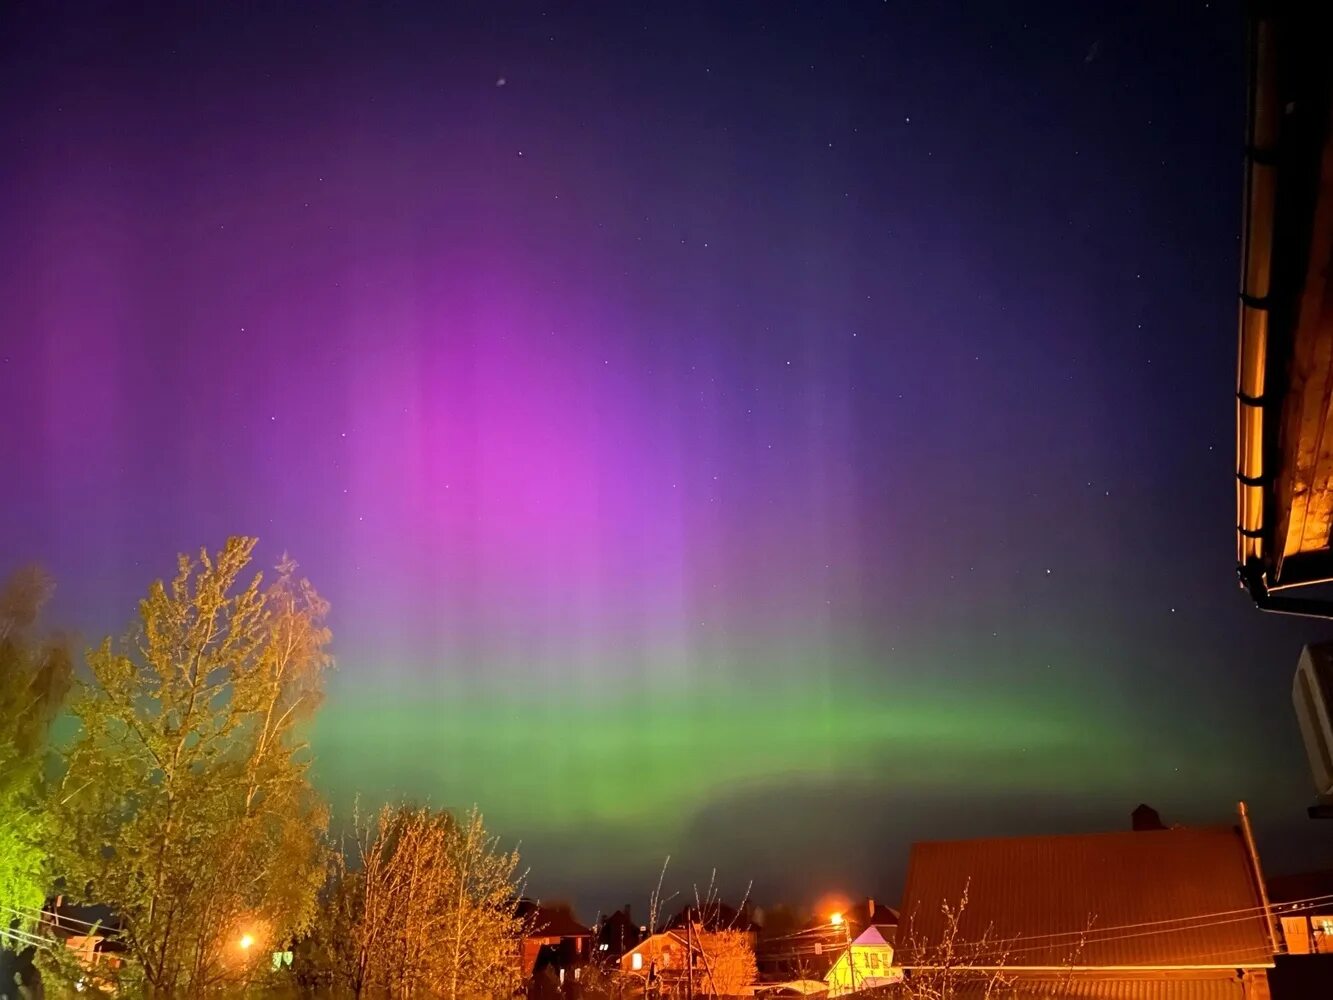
59 918
1092 933
1093 936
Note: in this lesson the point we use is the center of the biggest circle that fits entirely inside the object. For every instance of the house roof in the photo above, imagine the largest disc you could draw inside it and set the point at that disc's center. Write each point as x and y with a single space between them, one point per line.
869 911
714 916
877 935
1156 899
551 921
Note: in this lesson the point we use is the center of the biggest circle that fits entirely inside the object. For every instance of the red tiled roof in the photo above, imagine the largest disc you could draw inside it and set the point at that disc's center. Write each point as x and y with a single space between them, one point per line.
1156 899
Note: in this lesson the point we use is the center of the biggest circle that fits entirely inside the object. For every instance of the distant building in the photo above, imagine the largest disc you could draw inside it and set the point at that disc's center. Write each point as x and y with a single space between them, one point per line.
617 934
663 960
553 939
92 932
807 951
1303 905
1149 914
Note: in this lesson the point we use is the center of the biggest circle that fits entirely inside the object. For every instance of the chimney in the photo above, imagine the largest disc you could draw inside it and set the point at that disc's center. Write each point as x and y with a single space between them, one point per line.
870 909
1145 817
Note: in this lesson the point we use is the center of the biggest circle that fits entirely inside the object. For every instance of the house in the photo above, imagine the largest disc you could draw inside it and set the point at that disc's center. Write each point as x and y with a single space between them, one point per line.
552 938
807 949
665 958
1303 905
92 932
866 964
617 934
719 962
1148 914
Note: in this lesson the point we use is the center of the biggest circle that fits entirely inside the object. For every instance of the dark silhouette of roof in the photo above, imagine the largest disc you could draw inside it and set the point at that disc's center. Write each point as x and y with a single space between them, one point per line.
870 912
550 921
715 916
1156 893
619 932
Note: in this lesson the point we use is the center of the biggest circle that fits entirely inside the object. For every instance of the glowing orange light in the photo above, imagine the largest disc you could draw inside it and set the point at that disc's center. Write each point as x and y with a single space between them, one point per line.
246 942
836 920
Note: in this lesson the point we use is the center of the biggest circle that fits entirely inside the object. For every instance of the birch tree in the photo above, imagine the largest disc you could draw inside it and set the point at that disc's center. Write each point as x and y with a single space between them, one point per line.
186 802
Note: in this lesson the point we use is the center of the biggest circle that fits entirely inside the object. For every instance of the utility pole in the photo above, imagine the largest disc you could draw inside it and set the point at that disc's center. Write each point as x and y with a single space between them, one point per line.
851 959
689 950
838 920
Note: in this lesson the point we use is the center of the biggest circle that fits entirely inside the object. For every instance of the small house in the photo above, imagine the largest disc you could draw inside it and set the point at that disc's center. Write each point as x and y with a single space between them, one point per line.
553 939
866 964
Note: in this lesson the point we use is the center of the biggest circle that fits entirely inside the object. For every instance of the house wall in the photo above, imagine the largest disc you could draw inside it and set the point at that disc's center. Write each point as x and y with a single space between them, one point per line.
572 952
868 962
1308 935
665 949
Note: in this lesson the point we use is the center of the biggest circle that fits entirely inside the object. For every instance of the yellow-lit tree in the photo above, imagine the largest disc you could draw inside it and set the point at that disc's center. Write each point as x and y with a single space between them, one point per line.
186 805
34 678
729 962
426 907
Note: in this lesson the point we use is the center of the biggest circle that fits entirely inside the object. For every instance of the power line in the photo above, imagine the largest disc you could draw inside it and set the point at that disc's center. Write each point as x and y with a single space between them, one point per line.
1094 935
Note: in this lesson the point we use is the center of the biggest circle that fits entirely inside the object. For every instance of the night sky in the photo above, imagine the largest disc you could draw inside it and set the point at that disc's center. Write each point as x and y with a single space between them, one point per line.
763 434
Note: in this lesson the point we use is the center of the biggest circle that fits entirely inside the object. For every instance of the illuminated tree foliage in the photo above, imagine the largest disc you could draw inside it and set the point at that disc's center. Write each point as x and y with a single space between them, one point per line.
729 961
186 805
425 909
34 678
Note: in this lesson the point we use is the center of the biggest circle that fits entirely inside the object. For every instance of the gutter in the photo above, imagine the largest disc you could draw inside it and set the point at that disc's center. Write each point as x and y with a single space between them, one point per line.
1258 871
1254 477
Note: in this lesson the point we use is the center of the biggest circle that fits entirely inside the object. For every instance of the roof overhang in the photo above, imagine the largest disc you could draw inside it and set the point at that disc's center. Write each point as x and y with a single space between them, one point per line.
1284 397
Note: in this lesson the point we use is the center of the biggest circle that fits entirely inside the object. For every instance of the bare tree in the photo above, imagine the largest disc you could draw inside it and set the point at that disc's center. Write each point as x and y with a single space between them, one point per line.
953 967
428 907
943 969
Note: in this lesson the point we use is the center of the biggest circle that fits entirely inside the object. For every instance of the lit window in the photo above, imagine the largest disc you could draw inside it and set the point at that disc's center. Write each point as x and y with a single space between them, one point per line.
636 961
1326 926
604 947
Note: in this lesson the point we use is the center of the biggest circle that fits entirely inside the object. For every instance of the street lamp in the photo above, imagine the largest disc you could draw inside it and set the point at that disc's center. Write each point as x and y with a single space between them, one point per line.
246 942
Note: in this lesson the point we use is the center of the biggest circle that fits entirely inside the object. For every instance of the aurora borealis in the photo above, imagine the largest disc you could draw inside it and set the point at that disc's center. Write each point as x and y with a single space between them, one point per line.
761 435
